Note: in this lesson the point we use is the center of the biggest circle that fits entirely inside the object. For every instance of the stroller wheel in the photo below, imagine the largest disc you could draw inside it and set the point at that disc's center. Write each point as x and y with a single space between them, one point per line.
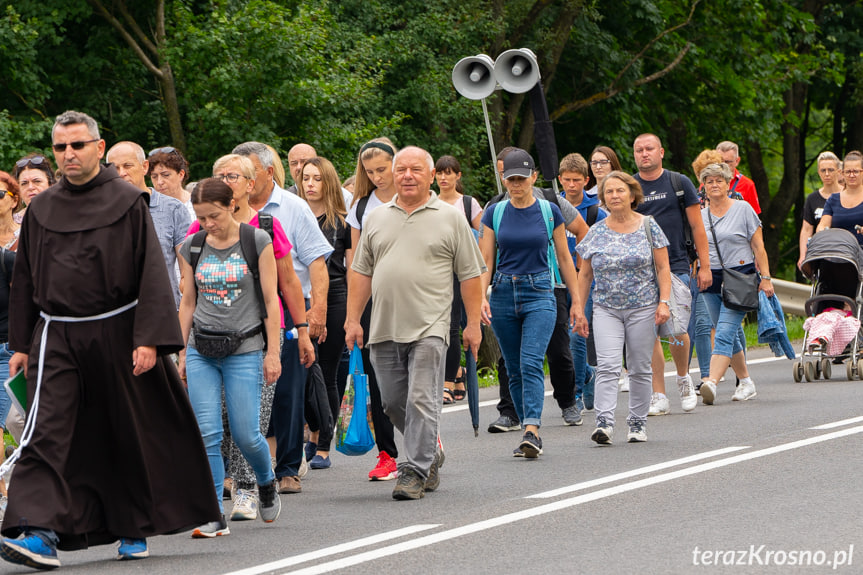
809 371
850 369
797 371
826 368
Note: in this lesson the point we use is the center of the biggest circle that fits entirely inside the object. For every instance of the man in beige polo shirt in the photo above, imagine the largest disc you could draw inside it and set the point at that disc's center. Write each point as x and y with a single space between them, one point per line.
408 251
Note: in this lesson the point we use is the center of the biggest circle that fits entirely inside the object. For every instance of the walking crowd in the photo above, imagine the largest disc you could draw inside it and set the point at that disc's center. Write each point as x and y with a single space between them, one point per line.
202 330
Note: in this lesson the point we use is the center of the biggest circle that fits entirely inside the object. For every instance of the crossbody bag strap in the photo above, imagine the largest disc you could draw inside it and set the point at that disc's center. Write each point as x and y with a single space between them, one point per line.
715 241
646 225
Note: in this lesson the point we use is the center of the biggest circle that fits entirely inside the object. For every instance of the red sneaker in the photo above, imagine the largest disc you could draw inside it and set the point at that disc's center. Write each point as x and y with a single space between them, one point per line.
385 470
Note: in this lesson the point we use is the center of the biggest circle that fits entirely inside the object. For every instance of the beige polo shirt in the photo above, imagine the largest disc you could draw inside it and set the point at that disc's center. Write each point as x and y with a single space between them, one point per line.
411 259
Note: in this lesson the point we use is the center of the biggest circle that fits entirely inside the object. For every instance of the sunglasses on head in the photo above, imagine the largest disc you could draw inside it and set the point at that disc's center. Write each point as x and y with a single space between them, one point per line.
60 148
35 161
165 150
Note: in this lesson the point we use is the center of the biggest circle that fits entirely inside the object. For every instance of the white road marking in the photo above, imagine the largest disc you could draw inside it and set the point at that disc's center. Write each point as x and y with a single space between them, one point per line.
840 423
508 518
633 472
334 550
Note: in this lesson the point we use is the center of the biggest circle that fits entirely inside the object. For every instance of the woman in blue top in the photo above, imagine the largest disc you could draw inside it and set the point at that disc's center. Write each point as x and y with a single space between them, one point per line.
845 209
631 297
522 308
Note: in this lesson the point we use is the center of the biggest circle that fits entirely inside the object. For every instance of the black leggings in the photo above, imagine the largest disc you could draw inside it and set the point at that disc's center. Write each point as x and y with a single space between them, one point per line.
453 352
331 356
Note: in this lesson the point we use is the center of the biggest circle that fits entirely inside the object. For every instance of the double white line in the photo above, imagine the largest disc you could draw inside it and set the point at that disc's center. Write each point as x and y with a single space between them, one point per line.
439 537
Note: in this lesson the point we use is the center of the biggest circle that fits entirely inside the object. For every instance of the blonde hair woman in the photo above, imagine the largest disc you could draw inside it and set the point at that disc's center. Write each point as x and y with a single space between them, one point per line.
373 188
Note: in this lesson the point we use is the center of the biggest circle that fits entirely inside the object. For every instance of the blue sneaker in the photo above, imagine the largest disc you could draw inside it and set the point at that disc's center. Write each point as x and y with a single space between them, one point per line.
30 550
310 448
132 549
579 405
319 462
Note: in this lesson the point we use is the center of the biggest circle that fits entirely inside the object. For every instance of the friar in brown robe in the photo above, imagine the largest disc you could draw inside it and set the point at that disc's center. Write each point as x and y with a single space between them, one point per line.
113 454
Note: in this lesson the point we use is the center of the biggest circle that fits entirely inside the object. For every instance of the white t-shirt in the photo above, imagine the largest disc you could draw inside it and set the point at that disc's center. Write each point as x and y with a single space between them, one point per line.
475 208
374 202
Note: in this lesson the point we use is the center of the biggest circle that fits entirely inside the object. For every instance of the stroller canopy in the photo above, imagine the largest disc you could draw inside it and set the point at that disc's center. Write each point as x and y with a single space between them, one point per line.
833 246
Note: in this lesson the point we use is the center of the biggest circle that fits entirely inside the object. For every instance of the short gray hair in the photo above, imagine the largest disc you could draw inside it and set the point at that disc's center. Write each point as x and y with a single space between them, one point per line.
265 156
246 165
70 117
727 146
429 159
716 170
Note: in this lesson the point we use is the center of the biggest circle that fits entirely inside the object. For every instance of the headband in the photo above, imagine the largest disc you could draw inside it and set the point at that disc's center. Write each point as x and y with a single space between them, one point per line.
380 146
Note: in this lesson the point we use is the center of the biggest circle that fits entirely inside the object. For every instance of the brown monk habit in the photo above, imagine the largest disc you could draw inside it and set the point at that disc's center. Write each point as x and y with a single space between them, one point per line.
113 454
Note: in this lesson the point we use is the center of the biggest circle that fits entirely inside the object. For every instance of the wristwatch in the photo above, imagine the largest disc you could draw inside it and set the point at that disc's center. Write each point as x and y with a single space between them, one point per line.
666 302
768 278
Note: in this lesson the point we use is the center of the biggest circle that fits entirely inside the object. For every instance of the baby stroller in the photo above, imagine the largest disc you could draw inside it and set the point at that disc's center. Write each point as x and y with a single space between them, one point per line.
834 265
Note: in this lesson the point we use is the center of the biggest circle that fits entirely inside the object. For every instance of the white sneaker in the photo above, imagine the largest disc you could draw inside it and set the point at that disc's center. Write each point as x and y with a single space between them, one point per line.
688 399
744 391
659 405
637 432
708 392
245 505
623 383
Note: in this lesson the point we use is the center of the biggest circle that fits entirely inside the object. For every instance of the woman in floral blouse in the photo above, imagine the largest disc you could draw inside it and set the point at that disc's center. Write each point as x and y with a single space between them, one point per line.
629 300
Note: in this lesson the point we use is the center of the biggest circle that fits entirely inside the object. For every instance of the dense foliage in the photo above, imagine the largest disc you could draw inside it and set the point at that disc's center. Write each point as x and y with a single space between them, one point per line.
779 77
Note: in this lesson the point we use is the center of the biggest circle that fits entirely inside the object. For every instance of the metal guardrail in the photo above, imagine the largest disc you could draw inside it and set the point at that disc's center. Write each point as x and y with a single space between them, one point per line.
792 296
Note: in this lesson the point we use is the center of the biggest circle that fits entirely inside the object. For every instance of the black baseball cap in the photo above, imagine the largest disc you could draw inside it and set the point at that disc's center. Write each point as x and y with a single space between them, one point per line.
518 163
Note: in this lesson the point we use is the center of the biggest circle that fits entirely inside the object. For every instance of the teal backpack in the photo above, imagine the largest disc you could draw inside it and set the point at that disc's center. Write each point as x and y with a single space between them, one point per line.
548 217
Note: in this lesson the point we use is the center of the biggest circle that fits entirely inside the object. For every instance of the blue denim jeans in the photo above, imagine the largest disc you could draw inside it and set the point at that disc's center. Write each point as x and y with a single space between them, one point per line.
578 348
729 338
523 314
5 401
701 337
242 378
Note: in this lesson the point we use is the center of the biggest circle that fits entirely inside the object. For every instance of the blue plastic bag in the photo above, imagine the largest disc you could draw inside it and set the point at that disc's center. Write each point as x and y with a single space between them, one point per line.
354 435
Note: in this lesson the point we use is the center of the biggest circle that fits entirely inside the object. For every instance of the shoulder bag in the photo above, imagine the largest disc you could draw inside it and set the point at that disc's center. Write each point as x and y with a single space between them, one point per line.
739 289
680 297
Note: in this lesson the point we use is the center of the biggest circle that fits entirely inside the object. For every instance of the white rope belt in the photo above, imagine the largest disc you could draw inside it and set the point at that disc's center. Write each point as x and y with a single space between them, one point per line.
30 425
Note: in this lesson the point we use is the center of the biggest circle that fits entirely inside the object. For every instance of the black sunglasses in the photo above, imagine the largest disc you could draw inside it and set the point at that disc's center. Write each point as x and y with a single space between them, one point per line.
165 150
35 160
60 148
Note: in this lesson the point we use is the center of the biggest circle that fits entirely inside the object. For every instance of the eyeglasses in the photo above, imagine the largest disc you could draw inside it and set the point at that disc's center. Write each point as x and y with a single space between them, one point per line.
852 173
8 193
60 148
39 160
598 163
232 178
165 150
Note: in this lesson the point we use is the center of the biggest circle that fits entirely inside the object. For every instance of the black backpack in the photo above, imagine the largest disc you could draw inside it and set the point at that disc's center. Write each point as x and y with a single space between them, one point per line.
677 186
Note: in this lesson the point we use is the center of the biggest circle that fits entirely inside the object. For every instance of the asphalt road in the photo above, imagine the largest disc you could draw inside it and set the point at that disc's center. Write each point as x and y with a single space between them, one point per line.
772 485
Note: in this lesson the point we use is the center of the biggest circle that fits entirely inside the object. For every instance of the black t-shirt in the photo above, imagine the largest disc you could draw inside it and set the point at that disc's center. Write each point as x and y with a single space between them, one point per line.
813 208
340 239
660 201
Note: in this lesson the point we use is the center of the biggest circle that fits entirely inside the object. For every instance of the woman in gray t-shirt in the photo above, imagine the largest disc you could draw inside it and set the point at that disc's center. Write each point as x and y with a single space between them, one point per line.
734 225
220 297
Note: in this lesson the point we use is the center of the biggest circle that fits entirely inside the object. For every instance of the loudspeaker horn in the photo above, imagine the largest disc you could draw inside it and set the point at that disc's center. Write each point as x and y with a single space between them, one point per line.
473 77
517 70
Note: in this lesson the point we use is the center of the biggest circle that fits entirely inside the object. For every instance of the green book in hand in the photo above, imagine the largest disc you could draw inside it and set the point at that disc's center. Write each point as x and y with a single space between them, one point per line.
16 388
